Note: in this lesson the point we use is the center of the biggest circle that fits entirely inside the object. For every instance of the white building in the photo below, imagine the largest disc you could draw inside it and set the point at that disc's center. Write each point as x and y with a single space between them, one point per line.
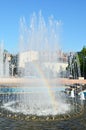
27 56
47 62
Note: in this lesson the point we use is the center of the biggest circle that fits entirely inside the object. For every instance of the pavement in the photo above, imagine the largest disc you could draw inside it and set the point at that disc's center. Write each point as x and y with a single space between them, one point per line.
35 81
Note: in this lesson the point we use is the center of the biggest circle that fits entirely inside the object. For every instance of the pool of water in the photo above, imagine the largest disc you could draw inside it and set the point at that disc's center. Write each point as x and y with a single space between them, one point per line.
9 120
6 90
34 100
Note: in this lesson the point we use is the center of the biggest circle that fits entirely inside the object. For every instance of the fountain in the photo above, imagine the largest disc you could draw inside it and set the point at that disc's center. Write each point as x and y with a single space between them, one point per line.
4 63
6 68
1 60
40 46
40 94
73 66
72 94
82 96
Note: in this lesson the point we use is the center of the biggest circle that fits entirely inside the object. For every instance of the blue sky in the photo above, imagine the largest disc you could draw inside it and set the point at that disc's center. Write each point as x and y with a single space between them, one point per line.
72 14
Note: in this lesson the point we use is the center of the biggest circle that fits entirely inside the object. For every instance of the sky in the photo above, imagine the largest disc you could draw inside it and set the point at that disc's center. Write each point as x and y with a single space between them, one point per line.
72 14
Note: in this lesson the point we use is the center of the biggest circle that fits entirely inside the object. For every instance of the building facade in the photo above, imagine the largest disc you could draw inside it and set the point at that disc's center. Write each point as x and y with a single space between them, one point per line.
53 63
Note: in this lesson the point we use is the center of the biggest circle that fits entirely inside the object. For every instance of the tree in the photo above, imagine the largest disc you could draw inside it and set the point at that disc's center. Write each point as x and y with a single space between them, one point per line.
82 59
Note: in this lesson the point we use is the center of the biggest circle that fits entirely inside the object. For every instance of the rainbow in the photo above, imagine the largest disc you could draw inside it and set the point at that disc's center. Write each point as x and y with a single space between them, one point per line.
46 83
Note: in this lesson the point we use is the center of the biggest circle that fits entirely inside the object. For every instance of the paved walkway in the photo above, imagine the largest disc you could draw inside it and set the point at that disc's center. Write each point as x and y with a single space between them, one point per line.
37 81
72 81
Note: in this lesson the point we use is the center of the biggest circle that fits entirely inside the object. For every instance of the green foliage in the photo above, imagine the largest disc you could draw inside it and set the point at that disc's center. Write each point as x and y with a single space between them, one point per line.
82 59
83 51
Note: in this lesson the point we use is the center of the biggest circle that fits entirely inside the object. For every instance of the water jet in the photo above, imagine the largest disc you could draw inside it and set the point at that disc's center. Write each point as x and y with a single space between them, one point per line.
39 97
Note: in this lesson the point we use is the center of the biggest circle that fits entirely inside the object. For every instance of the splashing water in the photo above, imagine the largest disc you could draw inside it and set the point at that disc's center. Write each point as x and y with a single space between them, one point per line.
4 63
38 60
